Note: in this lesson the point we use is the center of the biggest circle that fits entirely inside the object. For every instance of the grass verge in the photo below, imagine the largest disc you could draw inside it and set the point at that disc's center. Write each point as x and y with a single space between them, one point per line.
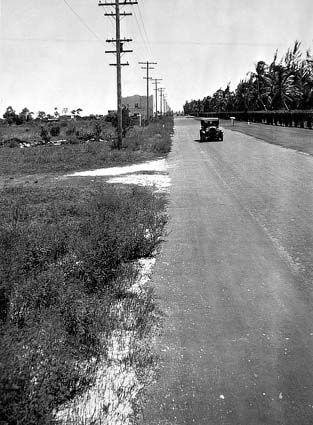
299 139
68 260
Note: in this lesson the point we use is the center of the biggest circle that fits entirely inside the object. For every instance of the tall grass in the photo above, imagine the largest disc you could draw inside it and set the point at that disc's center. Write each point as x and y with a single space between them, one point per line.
140 144
66 256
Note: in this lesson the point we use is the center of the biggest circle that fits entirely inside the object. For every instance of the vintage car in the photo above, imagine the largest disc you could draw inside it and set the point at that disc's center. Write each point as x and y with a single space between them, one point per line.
210 130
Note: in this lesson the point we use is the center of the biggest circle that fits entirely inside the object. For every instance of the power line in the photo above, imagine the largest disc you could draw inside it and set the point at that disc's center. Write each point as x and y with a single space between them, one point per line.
82 21
144 29
130 27
141 34
47 40
208 43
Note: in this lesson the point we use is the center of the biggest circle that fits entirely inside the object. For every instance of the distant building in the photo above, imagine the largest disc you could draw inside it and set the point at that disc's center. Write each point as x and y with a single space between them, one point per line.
138 105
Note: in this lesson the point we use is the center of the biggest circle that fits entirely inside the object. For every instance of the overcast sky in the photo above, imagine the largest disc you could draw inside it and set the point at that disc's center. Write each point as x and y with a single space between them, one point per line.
52 51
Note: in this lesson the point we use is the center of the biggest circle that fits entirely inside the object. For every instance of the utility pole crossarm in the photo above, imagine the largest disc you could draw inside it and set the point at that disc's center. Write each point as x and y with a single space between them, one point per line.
121 3
121 64
118 52
114 51
121 14
123 40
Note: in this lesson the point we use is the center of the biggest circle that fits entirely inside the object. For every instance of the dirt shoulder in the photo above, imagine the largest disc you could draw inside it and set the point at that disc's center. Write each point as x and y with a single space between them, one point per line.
299 139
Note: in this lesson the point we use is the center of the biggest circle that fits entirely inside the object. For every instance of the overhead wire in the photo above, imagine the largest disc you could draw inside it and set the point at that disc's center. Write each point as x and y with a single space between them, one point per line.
46 40
141 34
208 43
144 29
146 38
148 43
83 22
130 32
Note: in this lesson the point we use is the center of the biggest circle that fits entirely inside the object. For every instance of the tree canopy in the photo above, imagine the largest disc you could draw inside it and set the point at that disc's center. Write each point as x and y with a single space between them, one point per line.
285 84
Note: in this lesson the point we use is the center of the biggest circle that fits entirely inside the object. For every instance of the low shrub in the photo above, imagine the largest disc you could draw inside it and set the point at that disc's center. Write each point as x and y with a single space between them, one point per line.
66 256
71 130
55 131
154 138
97 130
13 142
140 144
44 134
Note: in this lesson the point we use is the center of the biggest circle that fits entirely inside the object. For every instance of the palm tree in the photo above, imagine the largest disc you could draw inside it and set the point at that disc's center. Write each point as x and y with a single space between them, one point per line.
260 86
284 84
244 96
283 88
303 72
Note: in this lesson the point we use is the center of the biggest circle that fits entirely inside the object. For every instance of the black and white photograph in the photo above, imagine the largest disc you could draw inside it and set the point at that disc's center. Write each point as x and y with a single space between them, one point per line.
156 212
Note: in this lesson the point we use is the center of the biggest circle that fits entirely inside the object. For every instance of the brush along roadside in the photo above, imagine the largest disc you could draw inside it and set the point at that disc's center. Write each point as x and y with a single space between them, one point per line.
70 314
78 153
71 305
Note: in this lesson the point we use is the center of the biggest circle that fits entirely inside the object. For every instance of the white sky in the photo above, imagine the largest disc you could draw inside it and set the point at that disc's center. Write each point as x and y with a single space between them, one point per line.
50 57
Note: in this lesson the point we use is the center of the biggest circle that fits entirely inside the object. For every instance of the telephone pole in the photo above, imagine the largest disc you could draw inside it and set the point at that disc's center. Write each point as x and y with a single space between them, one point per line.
161 90
156 82
164 104
118 52
147 67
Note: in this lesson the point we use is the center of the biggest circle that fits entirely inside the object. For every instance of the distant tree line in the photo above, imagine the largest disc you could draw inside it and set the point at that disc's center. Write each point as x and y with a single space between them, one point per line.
11 117
284 85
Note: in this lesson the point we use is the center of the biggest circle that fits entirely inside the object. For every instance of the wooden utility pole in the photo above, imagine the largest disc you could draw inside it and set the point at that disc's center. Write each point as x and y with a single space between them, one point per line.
161 90
118 52
147 67
156 81
164 104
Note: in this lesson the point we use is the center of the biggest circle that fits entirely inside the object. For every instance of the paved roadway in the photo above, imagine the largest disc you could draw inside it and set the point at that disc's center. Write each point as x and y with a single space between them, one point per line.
235 279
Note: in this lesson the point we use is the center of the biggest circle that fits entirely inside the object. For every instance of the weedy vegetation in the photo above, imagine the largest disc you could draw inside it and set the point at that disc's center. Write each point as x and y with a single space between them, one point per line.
32 148
68 255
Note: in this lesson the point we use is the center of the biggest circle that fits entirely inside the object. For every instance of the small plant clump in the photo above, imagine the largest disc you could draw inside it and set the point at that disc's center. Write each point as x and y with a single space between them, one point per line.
44 134
55 131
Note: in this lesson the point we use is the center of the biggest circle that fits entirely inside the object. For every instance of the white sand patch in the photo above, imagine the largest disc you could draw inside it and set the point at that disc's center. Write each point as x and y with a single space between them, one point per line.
157 166
146 266
110 399
160 181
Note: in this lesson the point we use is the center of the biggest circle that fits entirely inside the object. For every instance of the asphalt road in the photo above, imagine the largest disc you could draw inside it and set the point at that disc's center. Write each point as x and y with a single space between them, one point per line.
235 278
